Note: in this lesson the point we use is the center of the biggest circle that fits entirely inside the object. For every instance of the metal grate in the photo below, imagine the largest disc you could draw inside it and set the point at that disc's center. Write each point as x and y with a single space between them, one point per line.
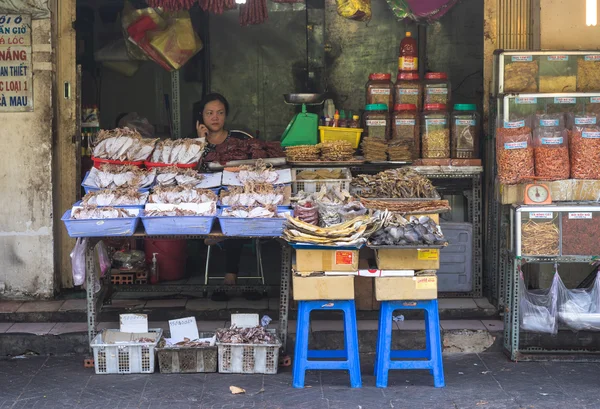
515 24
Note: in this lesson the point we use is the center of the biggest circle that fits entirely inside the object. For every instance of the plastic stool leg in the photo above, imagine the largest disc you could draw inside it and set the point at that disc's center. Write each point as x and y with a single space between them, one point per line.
436 344
379 341
301 348
384 353
351 337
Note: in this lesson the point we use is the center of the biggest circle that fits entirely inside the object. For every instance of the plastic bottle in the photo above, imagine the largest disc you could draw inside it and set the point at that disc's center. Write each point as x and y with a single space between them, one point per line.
355 122
336 119
408 61
154 270
342 122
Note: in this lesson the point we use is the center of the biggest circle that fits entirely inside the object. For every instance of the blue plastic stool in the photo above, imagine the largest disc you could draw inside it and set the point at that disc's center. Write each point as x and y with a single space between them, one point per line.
348 357
429 358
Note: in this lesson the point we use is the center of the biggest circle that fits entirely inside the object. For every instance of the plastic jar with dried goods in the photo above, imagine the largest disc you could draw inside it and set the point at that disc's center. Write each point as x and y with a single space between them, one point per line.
551 153
514 151
379 90
584 145
435 132
376 121
404 141
436 88
465 132
408 89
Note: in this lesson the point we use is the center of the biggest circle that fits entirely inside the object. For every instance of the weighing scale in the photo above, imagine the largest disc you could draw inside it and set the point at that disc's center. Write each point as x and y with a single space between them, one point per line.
303 128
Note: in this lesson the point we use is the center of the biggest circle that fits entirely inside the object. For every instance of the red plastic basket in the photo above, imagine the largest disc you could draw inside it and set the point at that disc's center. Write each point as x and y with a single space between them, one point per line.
151 165
99 162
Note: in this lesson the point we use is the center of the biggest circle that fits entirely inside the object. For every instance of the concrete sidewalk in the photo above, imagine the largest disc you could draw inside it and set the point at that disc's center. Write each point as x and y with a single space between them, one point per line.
486 381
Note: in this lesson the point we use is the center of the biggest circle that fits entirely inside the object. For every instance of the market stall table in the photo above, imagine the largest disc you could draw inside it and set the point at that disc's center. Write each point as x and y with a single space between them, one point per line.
96 300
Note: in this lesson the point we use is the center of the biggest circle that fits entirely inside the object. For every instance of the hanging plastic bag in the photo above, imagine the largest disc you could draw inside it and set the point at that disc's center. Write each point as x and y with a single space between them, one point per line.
178 42
329 214
78 261
359 10
538 307
579 309
103 258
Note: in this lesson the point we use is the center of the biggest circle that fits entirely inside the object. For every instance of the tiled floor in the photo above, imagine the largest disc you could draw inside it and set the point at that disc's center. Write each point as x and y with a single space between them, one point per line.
40 306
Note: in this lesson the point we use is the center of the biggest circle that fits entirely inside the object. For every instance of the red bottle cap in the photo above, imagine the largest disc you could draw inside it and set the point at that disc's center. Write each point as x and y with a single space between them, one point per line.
436 76
380 76
408 76
435 107
405 107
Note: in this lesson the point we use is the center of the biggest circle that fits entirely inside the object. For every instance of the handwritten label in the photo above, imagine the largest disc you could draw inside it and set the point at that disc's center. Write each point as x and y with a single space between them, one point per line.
437 91
558 58
580 215
585 120
426 283
595 100
541 215
183 328
595 57
590 134
552 141
137 323
441 121
521 58
428 255
565 100
515 145
405 122
467 122
376 122
16 77
525 100
380 91
549 122
514 124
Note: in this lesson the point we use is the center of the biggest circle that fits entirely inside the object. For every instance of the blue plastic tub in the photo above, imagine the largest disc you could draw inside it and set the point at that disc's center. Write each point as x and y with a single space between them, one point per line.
255 227
122 226
178 225
130 207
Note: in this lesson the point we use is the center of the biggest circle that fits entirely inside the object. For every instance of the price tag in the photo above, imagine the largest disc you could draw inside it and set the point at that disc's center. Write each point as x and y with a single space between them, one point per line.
519 58
595 100
580 215
558 58
137 323
425 283
183 328
344 258
525 100
428 255
565 100
541 215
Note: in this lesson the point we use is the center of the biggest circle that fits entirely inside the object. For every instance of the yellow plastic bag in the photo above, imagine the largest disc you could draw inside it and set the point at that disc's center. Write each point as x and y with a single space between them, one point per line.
178 42
359 10
129 16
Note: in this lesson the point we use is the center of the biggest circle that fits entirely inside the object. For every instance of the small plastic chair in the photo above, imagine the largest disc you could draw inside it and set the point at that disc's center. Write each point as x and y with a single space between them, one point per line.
429 358
344 360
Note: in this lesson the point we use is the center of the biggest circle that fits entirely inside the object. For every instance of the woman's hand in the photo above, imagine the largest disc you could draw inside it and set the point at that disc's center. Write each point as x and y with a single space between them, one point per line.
201 130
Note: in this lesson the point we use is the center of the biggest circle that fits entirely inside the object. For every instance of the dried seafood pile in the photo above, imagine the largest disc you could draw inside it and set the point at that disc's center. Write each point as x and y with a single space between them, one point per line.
539 239
321 174
397 231
374 149
336 151
178 151
258 212
115 176
354 232
122 144
174 176
253 195
302 153
186 343
323 207
414 207
93 212
252 335
237 149
261 172
115 197
394 183
181 194
209 210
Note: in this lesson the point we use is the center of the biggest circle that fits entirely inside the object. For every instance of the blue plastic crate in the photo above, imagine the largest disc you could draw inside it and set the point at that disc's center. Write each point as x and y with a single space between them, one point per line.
122 226
126 207
252 227
178 225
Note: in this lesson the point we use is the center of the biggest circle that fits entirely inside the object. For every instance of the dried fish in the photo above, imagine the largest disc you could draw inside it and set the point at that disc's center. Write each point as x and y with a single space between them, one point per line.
253 194
260 172
115 197
252 335
93 212
115 176
260 212
211 211
394 183
122 144
406 207
398 231
181 194
179 151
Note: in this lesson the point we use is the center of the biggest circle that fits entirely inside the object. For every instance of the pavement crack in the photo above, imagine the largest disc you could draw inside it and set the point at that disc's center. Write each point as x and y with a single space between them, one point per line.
489 370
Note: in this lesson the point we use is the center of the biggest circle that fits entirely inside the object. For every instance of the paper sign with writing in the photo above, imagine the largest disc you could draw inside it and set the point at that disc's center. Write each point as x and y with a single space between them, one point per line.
16 77
183 328
133 323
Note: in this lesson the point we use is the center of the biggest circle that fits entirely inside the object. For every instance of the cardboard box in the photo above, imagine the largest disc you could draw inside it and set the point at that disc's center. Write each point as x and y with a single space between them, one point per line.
413 259
423 287
326 260
368 268
323 288
584 190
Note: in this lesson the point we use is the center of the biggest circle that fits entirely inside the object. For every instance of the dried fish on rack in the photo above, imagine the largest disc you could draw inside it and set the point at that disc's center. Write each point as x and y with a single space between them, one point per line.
398 231
394 183
408 207
122 144
179 151
177 212
252 335
259 212
260 172
172 176
321 174
302 153
115 197
253 194
181 194
115 176
336 151
93 212
374 149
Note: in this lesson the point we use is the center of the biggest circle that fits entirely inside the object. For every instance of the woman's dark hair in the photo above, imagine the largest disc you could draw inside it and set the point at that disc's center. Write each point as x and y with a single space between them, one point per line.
199 106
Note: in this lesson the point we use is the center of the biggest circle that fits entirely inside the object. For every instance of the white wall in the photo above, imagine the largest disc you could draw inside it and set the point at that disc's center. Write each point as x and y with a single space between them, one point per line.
26 238
562 25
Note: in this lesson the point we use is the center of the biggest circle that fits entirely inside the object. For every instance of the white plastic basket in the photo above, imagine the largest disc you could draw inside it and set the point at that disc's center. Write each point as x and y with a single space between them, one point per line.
249 358
124 358
312 186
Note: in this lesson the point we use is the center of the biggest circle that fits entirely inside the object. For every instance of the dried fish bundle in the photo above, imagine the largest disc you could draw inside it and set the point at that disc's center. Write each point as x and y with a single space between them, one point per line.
260 172
115 176
179 151
394 183
115 197
302 153
336 151
320 174
122 144
181 194
398 231
259 212
210 210
374 149
407 207
174 176
252 335
93 212
259 194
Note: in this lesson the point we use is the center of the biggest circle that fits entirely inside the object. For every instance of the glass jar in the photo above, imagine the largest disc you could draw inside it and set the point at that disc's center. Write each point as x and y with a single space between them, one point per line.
435 132
379 90
376 121
436 88
408 90
404 141
465 132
